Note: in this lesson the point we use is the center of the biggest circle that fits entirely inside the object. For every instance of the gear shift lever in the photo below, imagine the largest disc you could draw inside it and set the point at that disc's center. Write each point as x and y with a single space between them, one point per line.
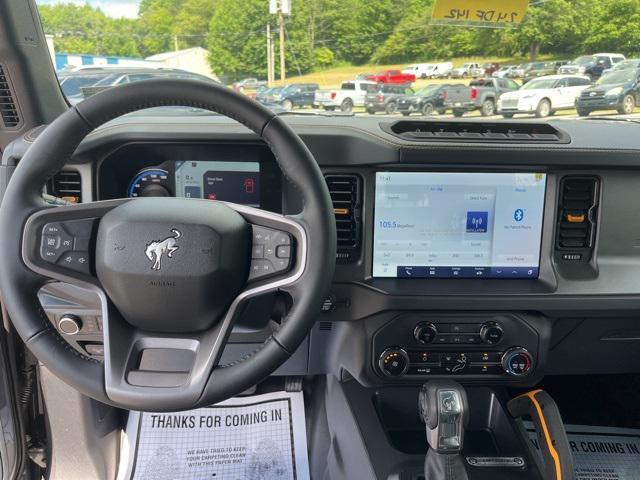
445 412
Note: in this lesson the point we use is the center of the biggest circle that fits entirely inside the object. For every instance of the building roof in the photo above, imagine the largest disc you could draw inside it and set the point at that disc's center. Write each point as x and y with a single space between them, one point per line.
167 55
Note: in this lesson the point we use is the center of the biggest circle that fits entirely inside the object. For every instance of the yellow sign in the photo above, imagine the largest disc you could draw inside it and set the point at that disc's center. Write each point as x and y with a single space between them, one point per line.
485 13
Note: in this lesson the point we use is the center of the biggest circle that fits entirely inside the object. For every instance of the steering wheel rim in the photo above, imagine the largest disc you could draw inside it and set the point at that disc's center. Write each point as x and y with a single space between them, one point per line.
23 212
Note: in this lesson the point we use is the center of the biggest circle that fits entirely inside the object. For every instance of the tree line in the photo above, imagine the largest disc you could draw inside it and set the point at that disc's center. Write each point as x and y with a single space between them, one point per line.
321 33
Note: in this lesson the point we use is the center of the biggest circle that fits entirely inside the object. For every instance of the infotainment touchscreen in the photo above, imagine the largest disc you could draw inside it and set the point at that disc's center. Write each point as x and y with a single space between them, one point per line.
458 225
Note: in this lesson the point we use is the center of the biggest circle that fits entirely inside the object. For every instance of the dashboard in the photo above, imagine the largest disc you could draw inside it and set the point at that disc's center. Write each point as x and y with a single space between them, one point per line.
495 259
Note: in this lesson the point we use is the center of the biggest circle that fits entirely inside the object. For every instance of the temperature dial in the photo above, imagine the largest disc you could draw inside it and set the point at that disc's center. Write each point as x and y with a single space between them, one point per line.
394 362
517 361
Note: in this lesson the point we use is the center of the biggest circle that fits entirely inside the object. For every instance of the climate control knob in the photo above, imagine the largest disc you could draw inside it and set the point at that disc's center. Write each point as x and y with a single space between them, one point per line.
517 361
394 362
425 332
491 333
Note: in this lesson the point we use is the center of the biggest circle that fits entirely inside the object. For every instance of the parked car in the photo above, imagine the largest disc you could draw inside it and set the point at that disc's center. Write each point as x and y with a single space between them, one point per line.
543 96
394 77
479 95
504 71
364 76
384 97
490 68
560 63
269 95
592 65
350 94
420 70
618 90
629 63
425 101
540 70
72 83
518 71
297 95
252 83
440 70
121 76
464 71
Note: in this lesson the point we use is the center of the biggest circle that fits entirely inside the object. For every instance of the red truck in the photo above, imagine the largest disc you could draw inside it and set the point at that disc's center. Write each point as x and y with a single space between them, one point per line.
394 77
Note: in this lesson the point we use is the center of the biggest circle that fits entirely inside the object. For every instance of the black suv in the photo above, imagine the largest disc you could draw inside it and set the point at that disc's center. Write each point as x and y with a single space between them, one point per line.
427 100
298 95
617 90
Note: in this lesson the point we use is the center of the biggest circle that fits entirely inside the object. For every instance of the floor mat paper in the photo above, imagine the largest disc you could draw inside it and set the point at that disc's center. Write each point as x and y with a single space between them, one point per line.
602 453
261 437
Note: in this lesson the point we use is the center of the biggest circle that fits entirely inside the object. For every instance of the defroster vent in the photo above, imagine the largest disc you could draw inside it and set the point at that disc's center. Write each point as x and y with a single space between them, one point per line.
346 196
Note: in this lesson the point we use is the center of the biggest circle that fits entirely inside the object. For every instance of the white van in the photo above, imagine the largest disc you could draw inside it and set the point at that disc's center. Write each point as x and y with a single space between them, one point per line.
420 70
441 70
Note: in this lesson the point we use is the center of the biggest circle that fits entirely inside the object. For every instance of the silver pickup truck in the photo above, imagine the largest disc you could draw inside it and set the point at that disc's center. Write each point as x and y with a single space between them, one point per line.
480 95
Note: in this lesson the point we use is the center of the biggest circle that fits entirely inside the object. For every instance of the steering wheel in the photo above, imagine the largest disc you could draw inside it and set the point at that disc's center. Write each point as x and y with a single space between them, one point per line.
172 274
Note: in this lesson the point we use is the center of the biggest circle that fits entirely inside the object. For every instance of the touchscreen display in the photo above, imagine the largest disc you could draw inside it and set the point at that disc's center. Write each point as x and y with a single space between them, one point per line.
237 182
458 225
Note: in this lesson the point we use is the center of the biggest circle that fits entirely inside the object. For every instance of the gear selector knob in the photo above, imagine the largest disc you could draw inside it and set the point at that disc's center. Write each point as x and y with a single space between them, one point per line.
444 410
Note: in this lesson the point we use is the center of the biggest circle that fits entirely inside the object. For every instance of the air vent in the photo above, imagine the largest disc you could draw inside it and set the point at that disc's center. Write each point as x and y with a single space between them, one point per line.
577 217
8 109
495 132
325 326
66 184
345 195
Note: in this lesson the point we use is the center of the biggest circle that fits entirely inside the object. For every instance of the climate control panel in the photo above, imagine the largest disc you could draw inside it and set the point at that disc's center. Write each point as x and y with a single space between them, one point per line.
397 362
500 347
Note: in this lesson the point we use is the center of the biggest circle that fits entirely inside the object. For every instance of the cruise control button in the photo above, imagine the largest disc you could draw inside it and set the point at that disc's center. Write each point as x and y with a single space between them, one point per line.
52 229
51 241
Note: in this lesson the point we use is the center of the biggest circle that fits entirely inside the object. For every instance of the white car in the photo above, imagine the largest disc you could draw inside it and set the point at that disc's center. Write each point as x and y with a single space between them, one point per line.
543 96
350 94
466 70
420 70
504 72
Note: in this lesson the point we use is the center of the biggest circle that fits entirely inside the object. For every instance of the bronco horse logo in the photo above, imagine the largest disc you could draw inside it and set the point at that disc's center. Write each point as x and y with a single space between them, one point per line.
157 248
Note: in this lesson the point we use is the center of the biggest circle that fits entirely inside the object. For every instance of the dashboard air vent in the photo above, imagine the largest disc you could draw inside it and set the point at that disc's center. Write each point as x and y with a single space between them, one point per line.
66 184
577 217
492 132
345 191
8 109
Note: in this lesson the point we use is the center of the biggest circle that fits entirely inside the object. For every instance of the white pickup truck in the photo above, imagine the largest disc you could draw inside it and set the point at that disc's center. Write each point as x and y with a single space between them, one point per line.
351 94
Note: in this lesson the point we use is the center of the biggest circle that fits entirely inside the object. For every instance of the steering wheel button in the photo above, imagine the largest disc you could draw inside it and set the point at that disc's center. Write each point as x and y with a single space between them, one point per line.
283 239
281 264
257 251
52 229
260 269
283 251
77 261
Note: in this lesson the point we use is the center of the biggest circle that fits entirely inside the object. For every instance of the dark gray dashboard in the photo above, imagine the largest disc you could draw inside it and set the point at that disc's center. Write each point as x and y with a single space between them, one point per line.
573 308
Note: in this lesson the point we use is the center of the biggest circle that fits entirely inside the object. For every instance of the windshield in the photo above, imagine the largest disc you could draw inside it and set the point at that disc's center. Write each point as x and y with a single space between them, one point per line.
621 76
303 57
429 89
539 83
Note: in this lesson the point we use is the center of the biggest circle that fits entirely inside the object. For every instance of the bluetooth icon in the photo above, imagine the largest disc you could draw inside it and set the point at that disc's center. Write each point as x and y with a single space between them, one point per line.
518 215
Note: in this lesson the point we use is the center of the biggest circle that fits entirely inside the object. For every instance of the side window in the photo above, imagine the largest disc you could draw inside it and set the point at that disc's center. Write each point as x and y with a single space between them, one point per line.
363 86
348 86
563 82
578 82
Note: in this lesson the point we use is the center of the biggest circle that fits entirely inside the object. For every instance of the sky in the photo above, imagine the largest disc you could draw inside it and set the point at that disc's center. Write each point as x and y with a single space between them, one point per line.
113 8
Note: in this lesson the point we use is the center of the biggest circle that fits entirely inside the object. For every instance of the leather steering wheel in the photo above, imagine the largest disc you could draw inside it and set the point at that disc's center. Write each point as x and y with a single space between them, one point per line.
173 274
